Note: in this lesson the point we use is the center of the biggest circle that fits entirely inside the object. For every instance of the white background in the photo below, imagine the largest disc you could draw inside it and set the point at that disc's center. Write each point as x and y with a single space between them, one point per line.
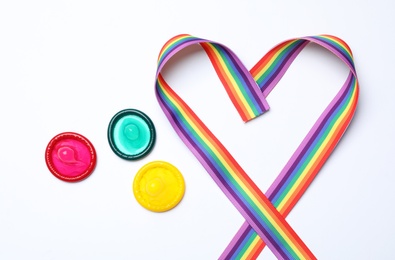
71 65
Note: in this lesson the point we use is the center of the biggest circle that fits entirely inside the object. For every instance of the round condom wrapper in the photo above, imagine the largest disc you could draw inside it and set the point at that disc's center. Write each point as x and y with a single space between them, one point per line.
158 186
131 134
70 157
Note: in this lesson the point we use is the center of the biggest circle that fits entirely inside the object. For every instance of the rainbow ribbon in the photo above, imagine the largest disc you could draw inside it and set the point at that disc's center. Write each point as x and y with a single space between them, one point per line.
264 213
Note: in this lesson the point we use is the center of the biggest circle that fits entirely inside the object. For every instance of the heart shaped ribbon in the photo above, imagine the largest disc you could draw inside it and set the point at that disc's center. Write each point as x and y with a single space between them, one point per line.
264 214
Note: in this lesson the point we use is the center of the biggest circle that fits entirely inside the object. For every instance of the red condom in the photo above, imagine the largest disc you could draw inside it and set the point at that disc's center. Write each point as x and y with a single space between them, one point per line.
70 157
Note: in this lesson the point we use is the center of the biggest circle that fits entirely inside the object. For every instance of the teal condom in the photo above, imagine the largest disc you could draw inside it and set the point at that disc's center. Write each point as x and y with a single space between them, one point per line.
131 134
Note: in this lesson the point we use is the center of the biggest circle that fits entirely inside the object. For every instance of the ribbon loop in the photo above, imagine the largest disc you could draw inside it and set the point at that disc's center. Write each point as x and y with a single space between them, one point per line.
264 214
237 80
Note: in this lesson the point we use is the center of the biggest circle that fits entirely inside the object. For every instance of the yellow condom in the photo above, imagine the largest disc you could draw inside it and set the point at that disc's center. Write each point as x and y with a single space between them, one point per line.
158 186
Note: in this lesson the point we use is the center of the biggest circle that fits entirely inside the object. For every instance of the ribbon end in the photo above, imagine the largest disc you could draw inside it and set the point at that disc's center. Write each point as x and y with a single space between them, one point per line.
248 118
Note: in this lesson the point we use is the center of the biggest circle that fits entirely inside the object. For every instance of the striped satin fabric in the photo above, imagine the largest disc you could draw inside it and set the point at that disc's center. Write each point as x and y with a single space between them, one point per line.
310 156
264 214
243 91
